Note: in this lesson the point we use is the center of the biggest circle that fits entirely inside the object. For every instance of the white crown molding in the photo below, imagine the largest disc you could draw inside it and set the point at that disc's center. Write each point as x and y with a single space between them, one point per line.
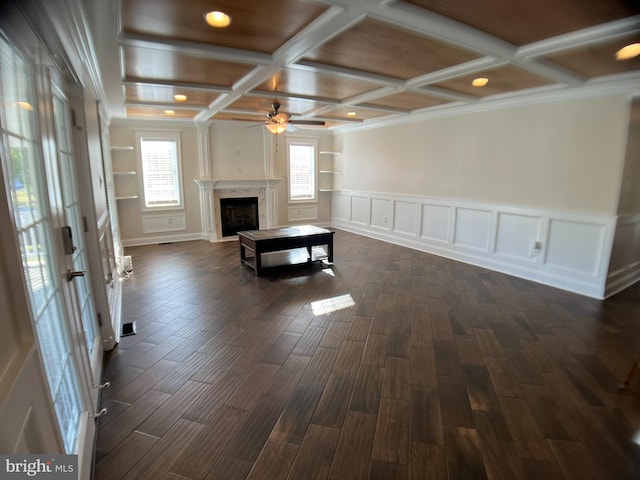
624 84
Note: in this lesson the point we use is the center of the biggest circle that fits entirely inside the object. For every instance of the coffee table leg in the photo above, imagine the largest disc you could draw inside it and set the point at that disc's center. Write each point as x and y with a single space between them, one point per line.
330 247
258 261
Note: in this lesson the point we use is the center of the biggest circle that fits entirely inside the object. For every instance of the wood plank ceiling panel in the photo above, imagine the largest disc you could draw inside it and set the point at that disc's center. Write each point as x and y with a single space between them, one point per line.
257 25
163 94
501 80
377 47
151 64
522 22
311 83
294 106
600 59
151 112
407 101
243 116
361 113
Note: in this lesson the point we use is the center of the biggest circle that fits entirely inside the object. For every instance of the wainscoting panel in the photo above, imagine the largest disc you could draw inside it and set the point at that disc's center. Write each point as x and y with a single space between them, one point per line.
575 246
435 222
360 210
562 249
381 211
472 228
340 207
406 218
624 267
514 234
302 213
173 222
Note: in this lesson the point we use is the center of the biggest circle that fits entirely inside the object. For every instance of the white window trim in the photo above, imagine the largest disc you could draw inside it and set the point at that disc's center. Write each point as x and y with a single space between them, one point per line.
303 141
159 135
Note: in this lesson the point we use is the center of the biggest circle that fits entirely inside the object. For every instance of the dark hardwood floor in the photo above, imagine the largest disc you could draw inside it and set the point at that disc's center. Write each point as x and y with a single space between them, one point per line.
392 364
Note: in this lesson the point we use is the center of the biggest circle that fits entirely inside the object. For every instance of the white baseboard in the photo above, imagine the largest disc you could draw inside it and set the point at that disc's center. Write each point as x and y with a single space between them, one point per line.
183 237
621 279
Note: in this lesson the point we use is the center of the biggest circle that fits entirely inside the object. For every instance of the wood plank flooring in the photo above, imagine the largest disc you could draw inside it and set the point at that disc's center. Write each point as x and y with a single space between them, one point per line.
391 364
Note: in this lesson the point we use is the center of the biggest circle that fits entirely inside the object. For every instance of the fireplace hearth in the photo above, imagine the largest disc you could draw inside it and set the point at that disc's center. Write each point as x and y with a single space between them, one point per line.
238 214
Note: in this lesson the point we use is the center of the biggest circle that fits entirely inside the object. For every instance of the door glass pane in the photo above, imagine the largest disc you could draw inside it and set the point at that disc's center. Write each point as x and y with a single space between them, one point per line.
73 218
24 176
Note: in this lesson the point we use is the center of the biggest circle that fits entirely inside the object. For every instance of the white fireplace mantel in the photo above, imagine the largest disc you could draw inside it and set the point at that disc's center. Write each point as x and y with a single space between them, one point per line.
211 189
216 184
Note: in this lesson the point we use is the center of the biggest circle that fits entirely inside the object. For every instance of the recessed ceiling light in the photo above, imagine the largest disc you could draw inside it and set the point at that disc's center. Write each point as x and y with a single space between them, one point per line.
217 19
480 82
170 112
630 51
178 97
351 114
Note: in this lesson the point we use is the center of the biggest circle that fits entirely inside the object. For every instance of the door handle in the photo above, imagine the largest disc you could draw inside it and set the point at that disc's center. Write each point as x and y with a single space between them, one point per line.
71 275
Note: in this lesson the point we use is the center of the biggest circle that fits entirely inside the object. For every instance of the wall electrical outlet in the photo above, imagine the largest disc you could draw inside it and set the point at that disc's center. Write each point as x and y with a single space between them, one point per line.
536 247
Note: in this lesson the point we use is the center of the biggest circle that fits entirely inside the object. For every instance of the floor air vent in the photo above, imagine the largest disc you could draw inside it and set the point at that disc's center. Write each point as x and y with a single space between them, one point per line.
128 329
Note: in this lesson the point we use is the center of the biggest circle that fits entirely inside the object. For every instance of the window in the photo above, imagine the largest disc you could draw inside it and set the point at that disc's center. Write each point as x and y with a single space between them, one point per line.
159 157
302 170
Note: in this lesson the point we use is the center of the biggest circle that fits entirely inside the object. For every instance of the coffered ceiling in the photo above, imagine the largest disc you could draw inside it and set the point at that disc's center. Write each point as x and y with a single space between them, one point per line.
382 59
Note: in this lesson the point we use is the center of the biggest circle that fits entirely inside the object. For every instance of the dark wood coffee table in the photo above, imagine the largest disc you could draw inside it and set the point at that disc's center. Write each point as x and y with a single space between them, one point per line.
278 239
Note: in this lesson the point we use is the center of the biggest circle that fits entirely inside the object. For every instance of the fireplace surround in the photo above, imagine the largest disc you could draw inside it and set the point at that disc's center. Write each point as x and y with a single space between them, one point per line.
212 191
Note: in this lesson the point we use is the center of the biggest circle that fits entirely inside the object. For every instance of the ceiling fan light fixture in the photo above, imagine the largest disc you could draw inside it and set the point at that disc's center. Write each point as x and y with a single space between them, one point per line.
630 51
217 19
178 97
276 127
170 112
351 114
480 81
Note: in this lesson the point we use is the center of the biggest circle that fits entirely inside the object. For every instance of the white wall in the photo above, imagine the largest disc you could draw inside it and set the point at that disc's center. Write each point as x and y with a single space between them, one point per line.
318 212
563 155
484 187
235 153
238 152
138 227
630 186
624 269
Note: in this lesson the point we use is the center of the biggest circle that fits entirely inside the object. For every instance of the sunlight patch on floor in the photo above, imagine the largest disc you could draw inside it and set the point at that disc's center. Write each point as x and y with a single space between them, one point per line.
328 271
328 305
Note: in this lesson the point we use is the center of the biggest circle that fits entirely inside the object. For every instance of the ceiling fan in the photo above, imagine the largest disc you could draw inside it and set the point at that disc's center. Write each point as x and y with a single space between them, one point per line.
277 121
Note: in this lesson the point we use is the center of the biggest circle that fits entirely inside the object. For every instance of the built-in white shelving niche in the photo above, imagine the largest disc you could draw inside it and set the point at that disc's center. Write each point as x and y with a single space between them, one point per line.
328 172
125 181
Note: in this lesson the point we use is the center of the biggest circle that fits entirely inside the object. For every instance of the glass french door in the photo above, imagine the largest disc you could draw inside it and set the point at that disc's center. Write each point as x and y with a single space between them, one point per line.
38 167
74 253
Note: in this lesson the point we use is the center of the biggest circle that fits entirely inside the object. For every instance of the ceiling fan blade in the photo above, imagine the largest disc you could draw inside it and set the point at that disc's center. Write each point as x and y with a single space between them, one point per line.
307 122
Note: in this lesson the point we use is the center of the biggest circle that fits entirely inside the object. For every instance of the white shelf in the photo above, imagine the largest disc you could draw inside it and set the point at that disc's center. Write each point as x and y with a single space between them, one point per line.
124 173
116 148
329 172
128 197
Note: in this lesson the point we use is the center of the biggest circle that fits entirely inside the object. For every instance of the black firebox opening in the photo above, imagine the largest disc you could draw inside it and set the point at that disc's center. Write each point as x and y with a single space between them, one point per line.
238 214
